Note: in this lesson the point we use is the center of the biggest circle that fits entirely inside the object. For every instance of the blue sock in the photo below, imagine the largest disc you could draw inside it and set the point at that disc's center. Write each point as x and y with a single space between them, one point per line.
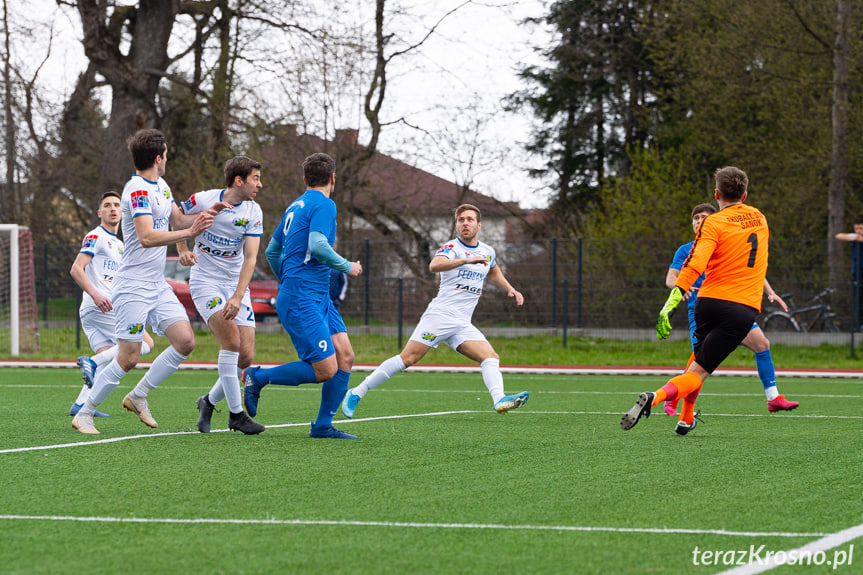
766 371
332 393
293 373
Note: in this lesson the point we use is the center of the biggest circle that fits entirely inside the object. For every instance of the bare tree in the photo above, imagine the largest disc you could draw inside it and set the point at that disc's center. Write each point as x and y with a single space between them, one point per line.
354 159
133 76
10 202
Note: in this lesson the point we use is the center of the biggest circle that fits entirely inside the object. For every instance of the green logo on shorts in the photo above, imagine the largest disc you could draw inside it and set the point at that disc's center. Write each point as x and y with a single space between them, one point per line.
214 302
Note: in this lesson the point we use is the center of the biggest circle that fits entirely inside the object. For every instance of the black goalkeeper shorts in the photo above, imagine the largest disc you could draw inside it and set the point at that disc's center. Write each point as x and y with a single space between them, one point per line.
720 326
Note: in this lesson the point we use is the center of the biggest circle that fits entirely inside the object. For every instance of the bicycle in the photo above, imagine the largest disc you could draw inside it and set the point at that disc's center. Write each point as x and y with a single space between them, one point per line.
824 319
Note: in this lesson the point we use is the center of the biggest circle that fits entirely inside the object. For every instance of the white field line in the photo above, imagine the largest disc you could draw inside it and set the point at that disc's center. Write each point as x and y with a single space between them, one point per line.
824 544
523 369
390 524
312 387
173 433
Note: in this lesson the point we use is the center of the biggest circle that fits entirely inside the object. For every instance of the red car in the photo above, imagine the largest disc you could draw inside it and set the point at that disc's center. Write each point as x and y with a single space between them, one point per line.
263 289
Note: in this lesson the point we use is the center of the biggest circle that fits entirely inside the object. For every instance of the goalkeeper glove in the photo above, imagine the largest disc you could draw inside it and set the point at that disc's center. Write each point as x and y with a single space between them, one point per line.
663 323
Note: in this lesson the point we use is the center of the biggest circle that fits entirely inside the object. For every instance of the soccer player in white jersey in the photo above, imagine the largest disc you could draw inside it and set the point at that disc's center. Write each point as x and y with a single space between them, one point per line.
222 263
93 270
464 263
141 296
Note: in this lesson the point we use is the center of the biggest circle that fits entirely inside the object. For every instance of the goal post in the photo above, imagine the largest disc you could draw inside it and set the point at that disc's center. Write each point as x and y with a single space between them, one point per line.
17 291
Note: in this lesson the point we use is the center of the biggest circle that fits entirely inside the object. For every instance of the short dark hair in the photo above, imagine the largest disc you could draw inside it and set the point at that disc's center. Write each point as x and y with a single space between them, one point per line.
239 166
145 146
318 169
468 207
703 209
858 220
731 183
109 194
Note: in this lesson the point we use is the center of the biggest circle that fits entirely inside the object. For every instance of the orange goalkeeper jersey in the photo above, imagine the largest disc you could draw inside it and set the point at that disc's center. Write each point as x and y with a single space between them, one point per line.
730 248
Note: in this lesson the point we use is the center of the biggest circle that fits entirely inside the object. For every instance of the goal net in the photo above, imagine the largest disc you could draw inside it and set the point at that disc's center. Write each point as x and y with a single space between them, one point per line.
19 332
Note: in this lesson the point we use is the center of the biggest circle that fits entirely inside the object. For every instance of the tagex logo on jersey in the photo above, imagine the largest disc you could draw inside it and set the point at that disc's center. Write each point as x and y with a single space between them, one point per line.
134 328
240 222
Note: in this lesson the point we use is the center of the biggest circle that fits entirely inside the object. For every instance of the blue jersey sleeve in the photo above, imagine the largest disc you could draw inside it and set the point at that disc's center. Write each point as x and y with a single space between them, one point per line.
274 257
324 253
680 256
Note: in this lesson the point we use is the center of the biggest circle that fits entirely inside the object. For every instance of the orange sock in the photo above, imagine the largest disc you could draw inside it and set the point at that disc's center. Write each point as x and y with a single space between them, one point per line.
687 383
687 412
677 387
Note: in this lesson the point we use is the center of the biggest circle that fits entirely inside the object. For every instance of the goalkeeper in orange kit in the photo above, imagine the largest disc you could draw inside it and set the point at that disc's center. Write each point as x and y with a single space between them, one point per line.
730 248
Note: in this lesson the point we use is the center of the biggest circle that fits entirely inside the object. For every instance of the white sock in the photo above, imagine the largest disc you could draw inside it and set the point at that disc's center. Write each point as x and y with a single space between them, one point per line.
216 393
163 366
82 397
106 356
228 376
107 379
492 378
384 371
771 392
145 349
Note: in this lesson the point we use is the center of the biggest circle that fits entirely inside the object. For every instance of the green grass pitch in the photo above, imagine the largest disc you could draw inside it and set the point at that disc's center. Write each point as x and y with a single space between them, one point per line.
555 487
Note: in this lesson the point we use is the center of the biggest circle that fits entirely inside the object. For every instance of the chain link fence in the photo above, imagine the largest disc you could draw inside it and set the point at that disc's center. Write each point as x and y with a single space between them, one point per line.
608 288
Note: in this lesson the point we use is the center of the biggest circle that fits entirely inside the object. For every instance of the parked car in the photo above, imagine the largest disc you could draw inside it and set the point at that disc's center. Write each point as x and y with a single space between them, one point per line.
263 289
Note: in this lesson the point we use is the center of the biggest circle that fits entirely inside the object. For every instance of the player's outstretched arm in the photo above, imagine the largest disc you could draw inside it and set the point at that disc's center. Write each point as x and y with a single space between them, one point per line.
443 264
496 277
181 220
846 237
151 238
322 251
773 297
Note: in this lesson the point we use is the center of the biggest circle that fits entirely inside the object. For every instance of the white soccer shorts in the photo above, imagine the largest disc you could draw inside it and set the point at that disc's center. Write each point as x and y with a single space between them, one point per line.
138 304
434 329
210 299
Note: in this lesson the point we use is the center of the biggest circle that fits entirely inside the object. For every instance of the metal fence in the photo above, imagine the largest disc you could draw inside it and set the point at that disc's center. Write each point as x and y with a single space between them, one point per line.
594 287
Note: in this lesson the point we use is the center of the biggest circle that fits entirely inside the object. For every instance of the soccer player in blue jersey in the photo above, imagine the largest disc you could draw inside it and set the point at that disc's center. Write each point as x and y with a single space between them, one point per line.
464 263
755 339
141 296
301 255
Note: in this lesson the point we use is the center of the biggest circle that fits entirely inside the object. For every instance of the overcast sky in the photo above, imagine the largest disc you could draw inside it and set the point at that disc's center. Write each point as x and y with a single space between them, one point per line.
472 59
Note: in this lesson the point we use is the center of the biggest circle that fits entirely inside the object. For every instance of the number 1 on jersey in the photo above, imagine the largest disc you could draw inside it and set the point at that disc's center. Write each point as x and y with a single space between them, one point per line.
753 239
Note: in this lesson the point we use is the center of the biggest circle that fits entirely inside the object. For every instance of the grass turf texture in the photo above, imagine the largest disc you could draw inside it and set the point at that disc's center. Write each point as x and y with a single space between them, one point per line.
562 460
